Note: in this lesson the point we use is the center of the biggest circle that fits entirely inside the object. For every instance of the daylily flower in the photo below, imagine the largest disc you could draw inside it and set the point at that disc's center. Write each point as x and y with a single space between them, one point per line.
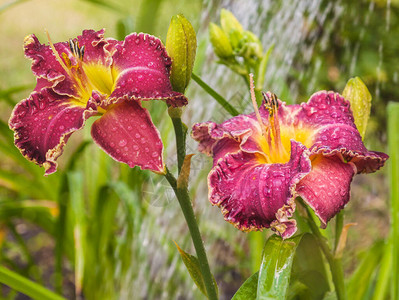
95 76
260 165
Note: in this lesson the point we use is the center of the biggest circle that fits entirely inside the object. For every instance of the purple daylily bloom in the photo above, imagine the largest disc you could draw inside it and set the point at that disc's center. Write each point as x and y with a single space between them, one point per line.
311 150
95 76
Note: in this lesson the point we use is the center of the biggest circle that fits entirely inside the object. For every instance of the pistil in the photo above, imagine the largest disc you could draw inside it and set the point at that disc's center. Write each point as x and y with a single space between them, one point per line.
74 71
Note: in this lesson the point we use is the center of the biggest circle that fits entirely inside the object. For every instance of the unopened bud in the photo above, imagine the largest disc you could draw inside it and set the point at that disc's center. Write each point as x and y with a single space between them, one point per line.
229 22
220 41
359 97
181 45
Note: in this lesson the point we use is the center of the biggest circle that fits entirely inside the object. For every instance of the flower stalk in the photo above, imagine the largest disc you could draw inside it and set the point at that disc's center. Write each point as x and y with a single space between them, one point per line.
183 197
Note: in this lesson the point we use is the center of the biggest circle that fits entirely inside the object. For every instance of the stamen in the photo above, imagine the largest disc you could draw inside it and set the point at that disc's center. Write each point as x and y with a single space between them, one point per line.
271 104
82 52
255 105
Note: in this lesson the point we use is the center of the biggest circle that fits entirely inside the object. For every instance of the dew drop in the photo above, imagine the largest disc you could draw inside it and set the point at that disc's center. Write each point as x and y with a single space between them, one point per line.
143 141
122 143
126 148
154 154
143 126
62 127
147 150
129 127
135 147
112 145
137 135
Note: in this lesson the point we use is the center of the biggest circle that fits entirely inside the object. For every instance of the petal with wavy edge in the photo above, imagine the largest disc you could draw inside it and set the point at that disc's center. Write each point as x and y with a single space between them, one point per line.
253 195
46 67
326 189
43 123
143 68
329 116
242 132
97 48
127 134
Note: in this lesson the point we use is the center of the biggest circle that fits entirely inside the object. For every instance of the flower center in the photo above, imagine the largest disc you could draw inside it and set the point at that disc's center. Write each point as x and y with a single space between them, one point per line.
275 145
86 76
271 142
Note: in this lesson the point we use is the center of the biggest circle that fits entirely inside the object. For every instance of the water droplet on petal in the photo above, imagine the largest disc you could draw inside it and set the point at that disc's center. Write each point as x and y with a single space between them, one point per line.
122 143
154 154
147 150
137 135
135 147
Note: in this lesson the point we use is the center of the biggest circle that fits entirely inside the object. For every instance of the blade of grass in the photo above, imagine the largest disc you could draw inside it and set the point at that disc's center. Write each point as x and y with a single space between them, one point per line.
215 95
26 286
75 180
393 142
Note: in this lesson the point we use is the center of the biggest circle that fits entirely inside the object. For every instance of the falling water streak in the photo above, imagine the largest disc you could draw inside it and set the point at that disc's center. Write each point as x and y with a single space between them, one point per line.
388 16
379 69
355 53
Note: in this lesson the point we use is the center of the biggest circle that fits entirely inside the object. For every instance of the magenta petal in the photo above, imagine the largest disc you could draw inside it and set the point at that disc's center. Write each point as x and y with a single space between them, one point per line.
46 67
253 195
42 125
95 47
127 134
329 115
145 68
326 189
240 133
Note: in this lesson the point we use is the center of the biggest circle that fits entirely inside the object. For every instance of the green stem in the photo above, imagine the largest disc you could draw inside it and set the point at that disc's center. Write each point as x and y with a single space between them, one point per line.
181 132
223 102
185 203
335 263
26 286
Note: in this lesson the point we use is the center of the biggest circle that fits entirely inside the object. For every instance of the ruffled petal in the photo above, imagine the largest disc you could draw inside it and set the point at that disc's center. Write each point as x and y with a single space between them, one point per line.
127 134
242 132
253 195
325 124
97 49
43 123
143 68
326 189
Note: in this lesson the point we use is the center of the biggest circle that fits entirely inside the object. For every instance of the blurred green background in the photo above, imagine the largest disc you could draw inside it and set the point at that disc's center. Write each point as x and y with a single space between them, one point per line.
100 230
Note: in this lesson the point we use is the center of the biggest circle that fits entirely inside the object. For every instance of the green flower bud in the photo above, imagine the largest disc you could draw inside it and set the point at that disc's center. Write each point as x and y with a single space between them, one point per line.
220 41
254 44
229 22
360 98
181 45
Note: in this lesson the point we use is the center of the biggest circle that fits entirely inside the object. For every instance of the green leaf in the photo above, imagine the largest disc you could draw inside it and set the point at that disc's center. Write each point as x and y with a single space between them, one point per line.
248 289
363 277
25 286
193 267
308 267
275 271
